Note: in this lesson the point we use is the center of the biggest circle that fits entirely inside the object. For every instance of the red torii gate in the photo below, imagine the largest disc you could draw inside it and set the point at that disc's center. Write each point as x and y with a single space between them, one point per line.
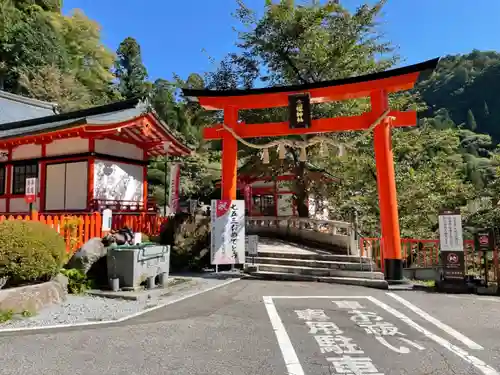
377 86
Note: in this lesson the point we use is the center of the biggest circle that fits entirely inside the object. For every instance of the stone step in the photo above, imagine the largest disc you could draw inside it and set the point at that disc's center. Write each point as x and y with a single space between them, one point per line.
372 283
339 265
313 271
314 256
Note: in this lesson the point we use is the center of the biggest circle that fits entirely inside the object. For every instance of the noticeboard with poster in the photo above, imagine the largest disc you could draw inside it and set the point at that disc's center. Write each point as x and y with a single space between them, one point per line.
451 244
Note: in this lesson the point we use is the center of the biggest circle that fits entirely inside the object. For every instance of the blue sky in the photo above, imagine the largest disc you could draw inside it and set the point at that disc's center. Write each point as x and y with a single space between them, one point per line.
173 33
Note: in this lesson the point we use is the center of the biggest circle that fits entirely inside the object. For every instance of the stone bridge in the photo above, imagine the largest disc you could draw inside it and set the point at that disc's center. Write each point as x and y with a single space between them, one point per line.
310 250
337 236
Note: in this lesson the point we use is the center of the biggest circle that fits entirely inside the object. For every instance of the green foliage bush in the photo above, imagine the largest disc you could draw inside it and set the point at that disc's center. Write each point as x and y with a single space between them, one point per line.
77 281
30 251
189 238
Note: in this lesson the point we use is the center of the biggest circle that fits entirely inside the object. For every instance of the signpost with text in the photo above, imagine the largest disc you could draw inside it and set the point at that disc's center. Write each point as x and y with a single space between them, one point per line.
228 232
30 192
451 244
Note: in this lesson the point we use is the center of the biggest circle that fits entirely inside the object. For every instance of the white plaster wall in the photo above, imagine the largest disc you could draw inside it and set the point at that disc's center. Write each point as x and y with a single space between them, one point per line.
116 148
76 185
285 205
29 151
20 205
2 204
118 181
261 184
67 146
66 187
54 193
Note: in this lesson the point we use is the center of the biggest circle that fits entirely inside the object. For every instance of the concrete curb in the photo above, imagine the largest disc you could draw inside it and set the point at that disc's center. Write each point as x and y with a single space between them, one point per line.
370 283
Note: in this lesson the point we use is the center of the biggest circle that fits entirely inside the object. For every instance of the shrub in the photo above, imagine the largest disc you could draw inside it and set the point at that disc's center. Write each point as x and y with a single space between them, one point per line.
145 237
30 251
77 281
189 238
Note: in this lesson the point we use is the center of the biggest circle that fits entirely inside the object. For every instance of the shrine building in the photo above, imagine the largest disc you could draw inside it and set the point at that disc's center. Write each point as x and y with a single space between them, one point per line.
266 194
85 160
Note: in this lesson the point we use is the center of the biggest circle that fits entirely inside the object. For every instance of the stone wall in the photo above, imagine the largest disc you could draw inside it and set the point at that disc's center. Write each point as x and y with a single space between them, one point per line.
32 298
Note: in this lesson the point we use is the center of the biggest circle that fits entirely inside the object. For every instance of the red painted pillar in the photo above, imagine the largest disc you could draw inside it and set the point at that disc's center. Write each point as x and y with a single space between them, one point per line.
393 265
229 156
145 182
90 174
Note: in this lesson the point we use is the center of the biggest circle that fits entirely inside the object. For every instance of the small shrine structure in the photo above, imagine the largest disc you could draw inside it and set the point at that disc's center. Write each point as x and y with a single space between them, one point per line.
267 195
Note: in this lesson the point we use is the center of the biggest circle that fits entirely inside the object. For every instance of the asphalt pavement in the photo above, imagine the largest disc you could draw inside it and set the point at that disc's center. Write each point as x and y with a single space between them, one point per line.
265 327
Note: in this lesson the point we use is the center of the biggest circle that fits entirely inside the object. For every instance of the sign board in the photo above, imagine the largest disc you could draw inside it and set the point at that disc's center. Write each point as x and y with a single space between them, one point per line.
451 244
228 232
174 188
252 245
450 231
299 111
31 189
484 240
107 219
453 265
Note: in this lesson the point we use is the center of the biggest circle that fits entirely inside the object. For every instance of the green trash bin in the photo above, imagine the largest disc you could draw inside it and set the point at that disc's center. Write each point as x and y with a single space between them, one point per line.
135 264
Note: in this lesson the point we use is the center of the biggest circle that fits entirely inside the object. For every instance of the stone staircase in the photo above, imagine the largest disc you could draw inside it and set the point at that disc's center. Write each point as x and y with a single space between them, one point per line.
315 266
301 249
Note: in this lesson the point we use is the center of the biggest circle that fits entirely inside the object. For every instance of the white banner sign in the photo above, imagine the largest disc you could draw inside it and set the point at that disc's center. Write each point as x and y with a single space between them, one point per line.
228 232
31 186
450 231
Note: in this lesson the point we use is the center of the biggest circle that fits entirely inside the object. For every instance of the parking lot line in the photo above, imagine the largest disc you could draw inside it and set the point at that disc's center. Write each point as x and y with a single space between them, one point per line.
476 362
446 328
292 362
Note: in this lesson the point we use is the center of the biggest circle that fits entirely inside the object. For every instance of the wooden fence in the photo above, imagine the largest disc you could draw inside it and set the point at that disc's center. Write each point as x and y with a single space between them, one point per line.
78 229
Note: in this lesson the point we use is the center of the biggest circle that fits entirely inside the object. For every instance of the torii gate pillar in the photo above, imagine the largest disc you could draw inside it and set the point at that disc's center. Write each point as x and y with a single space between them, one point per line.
229 156
389 220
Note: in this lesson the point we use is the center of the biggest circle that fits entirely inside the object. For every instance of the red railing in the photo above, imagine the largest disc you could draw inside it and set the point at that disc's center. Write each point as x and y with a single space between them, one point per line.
146 223
79 228
425 253
122 206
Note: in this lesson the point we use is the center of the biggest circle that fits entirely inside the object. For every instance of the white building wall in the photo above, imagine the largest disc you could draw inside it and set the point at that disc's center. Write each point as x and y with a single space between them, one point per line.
66 187
67 146
20 205
29 151
116 148
118 181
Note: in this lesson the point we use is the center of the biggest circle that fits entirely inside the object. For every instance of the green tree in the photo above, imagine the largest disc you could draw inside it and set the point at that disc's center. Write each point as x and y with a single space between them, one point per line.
471 121
292 44
50 84
130 70
429 176
28 41
87 57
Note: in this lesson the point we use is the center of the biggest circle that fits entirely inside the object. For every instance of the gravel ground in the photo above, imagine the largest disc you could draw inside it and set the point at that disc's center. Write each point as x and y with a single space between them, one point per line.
79 309
87 308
